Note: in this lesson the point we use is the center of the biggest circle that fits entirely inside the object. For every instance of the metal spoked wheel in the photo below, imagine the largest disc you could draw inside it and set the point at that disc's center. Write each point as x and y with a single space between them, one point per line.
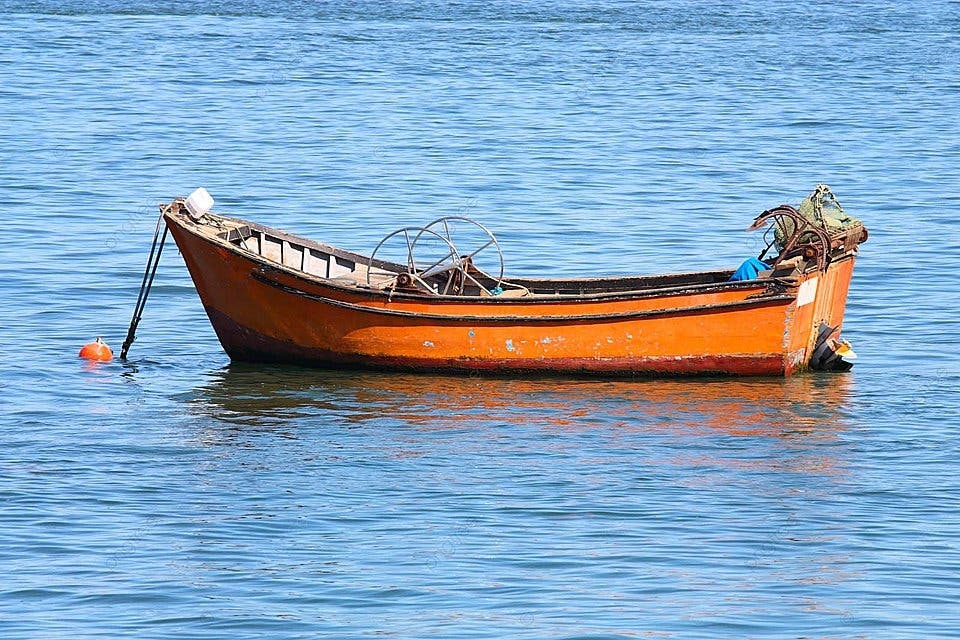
433 250
407 237
475 251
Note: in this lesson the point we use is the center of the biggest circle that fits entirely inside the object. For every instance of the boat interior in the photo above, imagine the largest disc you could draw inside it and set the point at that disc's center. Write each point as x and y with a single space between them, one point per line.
458 277
457 273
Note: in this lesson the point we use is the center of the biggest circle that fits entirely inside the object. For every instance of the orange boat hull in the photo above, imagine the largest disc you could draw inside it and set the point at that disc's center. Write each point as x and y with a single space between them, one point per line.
265 312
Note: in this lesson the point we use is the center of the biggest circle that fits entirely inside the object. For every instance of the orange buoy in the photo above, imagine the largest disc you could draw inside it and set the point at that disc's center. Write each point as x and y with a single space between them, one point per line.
98 351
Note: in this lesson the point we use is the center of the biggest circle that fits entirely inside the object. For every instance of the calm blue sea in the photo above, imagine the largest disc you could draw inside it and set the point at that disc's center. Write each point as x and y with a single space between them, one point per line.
179 496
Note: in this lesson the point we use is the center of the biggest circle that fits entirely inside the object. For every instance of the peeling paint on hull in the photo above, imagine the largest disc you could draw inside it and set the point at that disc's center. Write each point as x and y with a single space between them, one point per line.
244 344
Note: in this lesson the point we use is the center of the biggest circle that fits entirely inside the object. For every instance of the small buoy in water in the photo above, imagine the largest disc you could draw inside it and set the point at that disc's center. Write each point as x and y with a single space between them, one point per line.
98 351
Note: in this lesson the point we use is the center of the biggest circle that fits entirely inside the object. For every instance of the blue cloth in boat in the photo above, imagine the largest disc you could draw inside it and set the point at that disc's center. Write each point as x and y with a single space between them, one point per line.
749 270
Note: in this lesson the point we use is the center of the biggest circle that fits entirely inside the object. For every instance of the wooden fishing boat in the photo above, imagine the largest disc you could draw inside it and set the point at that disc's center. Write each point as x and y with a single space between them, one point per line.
275 297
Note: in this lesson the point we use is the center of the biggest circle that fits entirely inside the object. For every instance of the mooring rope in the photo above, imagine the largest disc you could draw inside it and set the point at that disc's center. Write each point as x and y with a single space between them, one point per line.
153 261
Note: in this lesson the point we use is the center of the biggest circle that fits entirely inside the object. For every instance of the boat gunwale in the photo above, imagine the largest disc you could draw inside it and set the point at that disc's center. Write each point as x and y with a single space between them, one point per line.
596 317
373 294
362 259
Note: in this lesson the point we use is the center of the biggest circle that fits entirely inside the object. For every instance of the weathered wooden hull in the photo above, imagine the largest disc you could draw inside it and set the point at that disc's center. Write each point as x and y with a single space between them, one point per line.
268 312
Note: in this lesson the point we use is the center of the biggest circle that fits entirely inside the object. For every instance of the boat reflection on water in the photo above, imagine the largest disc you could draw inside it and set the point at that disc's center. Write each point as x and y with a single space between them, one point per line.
806 406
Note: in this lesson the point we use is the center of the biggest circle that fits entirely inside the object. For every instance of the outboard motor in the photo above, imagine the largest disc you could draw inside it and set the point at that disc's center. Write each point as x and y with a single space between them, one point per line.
830 351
